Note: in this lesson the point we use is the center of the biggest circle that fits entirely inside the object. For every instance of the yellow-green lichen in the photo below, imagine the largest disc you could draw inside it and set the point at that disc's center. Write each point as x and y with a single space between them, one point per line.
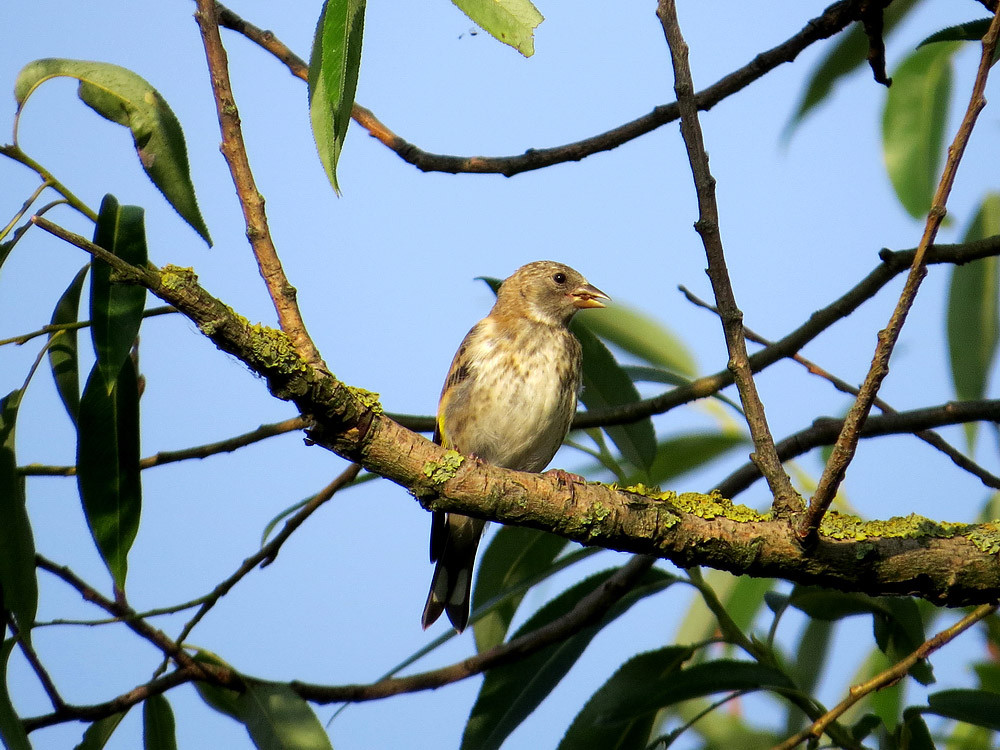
715 505
274 350
368 399
175 277
985 537
441 471
842 526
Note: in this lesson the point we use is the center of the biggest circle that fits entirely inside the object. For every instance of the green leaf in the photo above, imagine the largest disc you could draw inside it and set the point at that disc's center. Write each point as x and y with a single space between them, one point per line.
18 585
108 464
977 707
641 335
900 631
970 31
913 732
607 720
121 96
158 731
98 733
913 123
511 692
848 54
679 455
973 317
333 77
222 699
515 554
278 719
62 351
605 385
12 732
116 309
512 22
827 604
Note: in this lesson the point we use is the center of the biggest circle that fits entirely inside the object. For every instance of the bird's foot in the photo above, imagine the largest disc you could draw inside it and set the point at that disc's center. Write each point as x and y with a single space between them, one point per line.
565 478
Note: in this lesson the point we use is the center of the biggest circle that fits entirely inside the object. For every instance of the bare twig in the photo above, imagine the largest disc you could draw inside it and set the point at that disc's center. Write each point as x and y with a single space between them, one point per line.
847 443
889 677
928 436
266 554
834 19
56 327
31 656
786 500
14 152
283 294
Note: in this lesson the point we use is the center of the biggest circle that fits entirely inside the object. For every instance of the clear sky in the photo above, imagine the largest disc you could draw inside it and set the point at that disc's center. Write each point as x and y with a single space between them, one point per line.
386 282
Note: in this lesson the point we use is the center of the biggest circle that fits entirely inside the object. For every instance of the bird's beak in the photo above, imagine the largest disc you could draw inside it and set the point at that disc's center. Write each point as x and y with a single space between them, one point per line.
588 296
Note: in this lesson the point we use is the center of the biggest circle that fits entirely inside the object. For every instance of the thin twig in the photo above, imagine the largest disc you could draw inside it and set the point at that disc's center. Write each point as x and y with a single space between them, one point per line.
786 500
889 677
24 208
15 153
31 656
198 451
282 293
847 443
833 20
56 327
928 436
266 554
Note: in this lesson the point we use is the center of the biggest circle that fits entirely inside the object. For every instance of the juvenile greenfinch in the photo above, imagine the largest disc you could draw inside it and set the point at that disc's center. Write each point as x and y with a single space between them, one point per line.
508 400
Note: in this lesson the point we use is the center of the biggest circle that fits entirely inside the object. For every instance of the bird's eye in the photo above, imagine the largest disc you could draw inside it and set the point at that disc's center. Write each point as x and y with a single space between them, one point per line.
559 278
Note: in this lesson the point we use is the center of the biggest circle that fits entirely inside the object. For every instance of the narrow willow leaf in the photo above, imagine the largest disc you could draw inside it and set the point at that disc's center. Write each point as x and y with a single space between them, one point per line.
514 555
827 604
98 733
62 350
606 384
846 56
121 96
900 632
511 692
641 335
970 31
913 122
18 585
977 707
914 734
223 700
108 464
278 719
607 720
973 317
116 309
333 78
678 455
512 22
12 734
158 732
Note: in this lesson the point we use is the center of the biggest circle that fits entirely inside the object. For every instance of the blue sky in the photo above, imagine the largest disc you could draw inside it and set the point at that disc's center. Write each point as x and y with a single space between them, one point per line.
386 282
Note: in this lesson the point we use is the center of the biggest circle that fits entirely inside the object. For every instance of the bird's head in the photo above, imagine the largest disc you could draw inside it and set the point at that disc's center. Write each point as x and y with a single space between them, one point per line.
547 292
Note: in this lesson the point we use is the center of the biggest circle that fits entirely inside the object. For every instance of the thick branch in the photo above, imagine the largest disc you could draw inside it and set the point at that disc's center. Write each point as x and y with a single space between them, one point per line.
282 293
786 500
833 20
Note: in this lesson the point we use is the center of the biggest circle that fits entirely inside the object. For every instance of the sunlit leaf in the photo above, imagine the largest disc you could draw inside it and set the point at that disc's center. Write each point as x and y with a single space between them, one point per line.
973 317
62 350
678 455
121 96
18 585
641 335
512 22
913 123
514 555
108 464
333 78
278 719
116 308
511 692
12 733
158 732
848 54
607 719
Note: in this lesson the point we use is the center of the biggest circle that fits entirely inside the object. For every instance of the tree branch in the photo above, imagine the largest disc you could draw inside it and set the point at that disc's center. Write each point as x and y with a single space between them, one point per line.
283 294
786 499
833 20
847 443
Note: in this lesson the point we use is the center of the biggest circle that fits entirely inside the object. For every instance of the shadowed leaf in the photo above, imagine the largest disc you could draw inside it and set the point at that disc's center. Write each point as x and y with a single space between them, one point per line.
278 719
62 350
158 731
18 585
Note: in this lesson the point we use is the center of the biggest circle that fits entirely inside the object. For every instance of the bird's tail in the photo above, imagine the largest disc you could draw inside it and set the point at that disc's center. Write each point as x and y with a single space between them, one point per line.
454 540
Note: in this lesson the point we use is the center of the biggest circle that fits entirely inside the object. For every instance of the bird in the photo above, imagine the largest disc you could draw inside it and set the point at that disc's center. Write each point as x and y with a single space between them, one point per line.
508 400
